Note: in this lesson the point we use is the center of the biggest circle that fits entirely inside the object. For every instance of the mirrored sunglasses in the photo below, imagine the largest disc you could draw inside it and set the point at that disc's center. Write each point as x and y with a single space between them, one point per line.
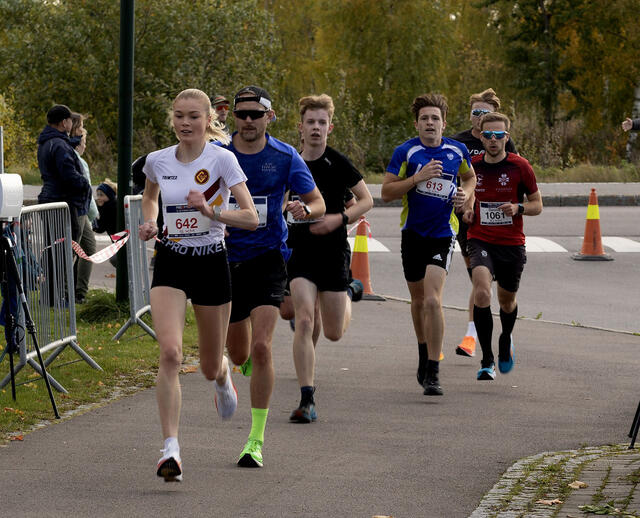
253 114
499 135
479 111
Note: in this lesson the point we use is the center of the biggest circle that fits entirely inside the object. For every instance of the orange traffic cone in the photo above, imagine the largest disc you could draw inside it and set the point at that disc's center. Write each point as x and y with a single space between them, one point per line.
592 243
360 260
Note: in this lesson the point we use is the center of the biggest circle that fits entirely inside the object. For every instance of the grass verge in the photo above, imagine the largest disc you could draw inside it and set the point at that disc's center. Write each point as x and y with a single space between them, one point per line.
129 364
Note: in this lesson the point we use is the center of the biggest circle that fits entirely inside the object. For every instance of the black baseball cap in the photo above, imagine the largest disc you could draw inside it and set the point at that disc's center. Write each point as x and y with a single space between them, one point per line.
259 95
58 113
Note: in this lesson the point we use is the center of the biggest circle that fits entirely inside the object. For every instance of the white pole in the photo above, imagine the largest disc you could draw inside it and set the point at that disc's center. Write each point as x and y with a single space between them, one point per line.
1 151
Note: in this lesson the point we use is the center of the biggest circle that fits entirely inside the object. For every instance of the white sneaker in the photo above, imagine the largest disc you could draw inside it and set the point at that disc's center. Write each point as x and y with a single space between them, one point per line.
170 465
226 398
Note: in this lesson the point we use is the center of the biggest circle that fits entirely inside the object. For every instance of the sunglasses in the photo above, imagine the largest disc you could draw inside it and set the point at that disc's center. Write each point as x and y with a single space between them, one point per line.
253 114
499 135
222 107
479 111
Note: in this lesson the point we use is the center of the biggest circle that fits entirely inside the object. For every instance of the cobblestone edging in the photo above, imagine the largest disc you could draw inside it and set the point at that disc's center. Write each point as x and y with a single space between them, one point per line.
611 472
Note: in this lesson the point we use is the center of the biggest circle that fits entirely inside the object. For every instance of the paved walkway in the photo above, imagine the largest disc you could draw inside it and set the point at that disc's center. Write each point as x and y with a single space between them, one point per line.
379 446
571 484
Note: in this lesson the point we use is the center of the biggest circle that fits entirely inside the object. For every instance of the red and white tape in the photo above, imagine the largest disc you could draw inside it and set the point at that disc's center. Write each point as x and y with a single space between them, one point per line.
103 255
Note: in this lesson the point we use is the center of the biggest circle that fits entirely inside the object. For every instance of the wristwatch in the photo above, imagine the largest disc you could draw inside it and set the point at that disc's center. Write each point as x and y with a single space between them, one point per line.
345 218
306 209
520 208
217 209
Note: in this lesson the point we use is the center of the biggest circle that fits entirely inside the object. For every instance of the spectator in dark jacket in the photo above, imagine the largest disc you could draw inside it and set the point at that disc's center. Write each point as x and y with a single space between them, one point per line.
631 124
62 178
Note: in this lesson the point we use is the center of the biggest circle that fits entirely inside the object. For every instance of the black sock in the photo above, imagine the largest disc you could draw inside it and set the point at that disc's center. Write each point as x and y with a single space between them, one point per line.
504 343
306 395
433 366
423 356
484 328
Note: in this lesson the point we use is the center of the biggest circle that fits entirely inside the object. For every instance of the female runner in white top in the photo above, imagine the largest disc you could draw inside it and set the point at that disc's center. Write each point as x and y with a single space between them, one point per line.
195 179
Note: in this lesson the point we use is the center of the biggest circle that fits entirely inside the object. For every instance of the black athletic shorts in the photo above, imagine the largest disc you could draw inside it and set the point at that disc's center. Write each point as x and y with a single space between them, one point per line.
418 252
326 267
201 272
505 262
462 235
259 281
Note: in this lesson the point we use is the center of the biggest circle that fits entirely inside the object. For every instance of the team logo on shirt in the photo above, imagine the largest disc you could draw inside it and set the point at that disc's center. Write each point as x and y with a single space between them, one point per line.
450 156
504 179
478 179
202 177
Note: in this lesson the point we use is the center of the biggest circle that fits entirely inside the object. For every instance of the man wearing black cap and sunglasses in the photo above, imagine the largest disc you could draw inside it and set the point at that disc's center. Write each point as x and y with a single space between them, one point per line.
496 238
257 258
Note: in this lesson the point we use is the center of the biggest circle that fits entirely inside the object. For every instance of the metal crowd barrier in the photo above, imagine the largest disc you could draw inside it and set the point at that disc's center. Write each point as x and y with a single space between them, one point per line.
138 267
45 263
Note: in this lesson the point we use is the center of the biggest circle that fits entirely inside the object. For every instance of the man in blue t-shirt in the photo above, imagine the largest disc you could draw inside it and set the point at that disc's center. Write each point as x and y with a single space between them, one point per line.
256 258
423 172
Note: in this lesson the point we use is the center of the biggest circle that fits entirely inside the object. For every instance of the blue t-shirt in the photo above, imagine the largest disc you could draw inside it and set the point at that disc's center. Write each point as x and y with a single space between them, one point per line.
270 174
428 207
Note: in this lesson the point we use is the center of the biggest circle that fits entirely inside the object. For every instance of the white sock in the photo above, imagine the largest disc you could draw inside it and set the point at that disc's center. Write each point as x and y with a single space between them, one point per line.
227 381
471 330
171 444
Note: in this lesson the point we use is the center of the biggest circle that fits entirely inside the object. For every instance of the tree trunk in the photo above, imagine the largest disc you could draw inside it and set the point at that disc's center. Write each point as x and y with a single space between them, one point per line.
633 145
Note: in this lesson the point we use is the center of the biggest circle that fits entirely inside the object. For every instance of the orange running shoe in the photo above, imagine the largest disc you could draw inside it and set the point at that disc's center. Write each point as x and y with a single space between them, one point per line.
467 347
441 356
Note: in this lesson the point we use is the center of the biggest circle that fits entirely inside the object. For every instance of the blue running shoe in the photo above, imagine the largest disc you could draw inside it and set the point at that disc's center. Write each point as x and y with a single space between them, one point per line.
487 373
505 366
304 413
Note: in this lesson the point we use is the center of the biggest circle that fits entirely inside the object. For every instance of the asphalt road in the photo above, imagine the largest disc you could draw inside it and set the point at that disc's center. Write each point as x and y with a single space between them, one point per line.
554 286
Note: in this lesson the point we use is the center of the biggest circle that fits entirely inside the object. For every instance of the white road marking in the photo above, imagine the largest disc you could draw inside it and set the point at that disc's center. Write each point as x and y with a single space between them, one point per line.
621 244
373 245
541 244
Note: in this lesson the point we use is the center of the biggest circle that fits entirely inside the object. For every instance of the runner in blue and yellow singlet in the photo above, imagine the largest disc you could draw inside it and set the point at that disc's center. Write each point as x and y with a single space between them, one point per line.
423 172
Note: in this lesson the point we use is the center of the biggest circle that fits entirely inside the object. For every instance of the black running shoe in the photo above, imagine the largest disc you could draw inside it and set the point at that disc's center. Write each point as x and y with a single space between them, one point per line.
432 385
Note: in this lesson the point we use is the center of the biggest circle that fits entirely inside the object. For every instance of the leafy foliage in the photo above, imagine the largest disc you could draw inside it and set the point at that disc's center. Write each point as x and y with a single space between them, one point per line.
564 69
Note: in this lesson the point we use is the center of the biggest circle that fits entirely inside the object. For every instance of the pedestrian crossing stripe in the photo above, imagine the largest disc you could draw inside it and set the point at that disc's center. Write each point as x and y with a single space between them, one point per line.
372 245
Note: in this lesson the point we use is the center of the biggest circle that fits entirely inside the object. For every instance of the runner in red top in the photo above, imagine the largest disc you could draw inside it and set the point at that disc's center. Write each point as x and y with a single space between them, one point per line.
496 239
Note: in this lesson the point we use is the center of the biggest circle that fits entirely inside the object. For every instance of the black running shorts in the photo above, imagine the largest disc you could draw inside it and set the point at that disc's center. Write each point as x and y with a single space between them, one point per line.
259 281
202 273
326 267
418 252
505 262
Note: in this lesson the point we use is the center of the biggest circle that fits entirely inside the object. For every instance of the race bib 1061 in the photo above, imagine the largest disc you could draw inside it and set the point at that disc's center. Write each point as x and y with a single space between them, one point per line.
490 214
261 207
183 221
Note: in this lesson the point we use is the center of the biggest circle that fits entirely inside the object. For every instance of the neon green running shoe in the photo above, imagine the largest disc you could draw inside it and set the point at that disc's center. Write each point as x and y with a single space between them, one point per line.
246 367
251 456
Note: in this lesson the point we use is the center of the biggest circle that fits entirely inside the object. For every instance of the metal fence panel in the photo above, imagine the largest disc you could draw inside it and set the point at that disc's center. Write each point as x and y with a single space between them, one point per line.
138 267
45 263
